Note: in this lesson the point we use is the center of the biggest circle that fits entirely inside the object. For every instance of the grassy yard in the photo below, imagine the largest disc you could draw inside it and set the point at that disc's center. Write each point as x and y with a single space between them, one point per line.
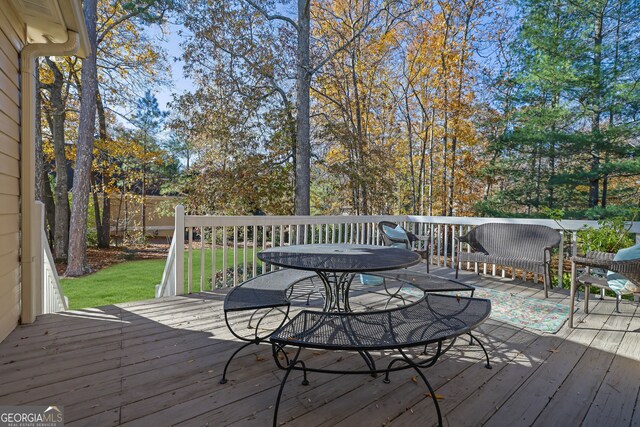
133 280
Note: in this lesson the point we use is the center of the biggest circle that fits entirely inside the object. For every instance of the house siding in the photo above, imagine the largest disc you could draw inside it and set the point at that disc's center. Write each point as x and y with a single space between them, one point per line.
10 44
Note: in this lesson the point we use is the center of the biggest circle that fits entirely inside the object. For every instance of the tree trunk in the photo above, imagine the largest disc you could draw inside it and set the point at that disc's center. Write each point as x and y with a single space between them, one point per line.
43 187
303 88
431 161
456 123
414 196
594 182
104 230
444 157
56 124
77 264
40 168
144 188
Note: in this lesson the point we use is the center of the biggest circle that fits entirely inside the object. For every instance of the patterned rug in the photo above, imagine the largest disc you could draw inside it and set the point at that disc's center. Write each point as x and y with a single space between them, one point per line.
541 315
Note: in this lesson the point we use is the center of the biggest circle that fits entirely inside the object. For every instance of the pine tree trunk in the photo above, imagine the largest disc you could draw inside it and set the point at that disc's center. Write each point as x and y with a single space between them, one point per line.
77 264
144 188
594 182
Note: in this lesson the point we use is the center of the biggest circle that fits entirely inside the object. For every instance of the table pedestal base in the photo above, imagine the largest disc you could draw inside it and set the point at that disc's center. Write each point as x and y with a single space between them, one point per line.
336 288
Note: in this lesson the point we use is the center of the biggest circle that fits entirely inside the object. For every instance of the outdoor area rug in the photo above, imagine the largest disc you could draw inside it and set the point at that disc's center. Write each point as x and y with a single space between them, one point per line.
541 315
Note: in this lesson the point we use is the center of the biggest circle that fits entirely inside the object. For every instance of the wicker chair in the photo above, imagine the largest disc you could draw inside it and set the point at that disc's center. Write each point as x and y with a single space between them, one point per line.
524 246
407 243
603 260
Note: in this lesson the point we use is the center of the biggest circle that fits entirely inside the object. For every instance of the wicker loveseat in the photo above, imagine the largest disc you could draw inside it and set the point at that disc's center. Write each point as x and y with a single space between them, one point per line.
524 246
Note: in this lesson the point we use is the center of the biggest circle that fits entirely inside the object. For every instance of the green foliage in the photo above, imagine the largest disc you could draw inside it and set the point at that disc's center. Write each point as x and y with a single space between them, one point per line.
569 119
610 236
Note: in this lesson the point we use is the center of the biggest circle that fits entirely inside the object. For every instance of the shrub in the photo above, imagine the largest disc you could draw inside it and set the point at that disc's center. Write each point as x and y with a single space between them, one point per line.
611 236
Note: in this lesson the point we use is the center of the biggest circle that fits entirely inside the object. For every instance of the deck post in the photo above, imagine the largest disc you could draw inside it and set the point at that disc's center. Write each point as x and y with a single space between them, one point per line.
179 258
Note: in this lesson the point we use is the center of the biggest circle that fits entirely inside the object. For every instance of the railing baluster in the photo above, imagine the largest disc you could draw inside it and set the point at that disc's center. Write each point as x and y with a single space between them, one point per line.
254 266
273 244
202 250
454 249
190 265
244 253
469 250
439 252
560 260
446 244
235 255
214 235
224 257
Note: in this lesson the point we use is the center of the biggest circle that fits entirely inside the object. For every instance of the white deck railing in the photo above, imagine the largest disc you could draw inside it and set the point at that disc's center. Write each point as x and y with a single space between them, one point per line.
51 298
213 251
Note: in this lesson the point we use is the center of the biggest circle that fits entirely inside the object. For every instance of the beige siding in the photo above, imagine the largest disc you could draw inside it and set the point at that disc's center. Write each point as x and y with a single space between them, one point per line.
9 176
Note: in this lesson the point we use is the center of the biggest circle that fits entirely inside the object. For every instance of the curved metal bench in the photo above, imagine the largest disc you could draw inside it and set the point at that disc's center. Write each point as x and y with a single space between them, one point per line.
267 291
430 321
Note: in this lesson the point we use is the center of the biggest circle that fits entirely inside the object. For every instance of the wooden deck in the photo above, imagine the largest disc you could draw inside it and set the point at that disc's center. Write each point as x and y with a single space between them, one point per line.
156 363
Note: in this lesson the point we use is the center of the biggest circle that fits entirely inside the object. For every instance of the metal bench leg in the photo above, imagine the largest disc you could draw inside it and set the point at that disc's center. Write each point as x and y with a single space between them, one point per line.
224 373
290 366
424 378
256 340
486 355
371 364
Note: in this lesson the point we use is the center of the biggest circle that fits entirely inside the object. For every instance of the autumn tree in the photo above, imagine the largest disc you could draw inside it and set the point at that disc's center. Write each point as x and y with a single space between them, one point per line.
354 104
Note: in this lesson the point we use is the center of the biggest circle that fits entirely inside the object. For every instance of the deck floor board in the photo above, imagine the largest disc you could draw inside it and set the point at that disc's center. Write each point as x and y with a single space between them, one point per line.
159 362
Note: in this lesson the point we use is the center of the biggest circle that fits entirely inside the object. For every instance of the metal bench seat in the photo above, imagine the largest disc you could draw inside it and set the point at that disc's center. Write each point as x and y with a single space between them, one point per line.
270 291
425 282
265 291
432 320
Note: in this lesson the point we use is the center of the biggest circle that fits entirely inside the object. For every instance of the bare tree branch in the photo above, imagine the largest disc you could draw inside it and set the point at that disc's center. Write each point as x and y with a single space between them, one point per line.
272 17
346 44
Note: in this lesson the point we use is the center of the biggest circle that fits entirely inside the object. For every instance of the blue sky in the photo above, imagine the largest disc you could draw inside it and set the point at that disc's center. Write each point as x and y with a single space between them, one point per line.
174 53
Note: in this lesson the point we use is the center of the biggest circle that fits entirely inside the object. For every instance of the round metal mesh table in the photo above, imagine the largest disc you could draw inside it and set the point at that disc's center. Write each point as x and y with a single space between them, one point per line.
337 264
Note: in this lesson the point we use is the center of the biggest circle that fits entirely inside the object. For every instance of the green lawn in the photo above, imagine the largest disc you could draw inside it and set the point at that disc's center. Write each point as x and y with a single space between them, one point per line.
134 280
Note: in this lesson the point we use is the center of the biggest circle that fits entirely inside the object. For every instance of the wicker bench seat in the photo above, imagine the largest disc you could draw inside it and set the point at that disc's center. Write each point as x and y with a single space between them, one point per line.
524 246
270 291
431 321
